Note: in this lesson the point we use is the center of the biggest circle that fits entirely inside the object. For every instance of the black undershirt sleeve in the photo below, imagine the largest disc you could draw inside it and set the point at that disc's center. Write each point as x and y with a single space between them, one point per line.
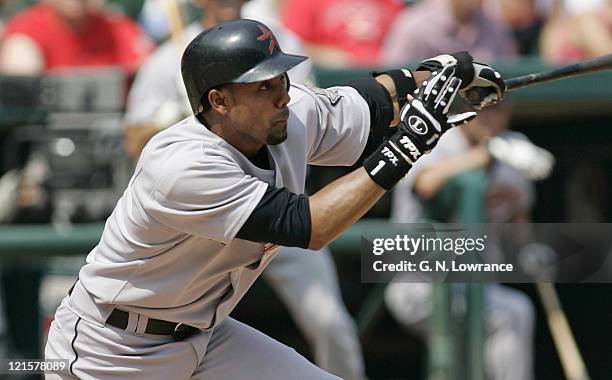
281 217
381 111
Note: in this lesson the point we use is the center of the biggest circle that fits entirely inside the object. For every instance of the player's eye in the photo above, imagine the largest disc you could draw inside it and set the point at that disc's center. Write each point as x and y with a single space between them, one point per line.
265 86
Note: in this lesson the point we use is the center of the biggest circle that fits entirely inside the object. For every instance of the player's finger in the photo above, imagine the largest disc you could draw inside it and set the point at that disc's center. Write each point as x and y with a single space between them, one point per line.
447 96
461 118
436 84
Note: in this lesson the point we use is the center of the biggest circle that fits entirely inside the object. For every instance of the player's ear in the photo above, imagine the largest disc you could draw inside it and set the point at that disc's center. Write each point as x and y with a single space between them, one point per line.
219 100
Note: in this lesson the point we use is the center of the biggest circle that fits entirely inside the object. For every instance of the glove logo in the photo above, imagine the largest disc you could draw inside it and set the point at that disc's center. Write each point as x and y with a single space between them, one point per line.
389 154
407 144
417 124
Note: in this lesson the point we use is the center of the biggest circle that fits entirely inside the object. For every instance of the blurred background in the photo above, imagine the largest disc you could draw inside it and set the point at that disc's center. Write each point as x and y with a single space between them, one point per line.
81 91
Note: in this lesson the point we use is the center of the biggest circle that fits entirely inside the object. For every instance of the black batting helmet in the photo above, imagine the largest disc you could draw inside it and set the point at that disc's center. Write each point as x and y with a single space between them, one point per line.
240 51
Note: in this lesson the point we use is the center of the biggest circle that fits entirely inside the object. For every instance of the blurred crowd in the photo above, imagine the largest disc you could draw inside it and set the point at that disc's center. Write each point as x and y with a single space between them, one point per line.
335 33
131 48
68 36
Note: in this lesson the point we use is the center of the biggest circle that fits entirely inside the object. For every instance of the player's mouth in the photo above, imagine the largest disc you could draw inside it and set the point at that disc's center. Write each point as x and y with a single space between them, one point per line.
283 117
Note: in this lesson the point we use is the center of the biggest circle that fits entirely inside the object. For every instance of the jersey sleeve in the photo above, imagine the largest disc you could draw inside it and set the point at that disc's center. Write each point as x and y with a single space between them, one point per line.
210 197
337 121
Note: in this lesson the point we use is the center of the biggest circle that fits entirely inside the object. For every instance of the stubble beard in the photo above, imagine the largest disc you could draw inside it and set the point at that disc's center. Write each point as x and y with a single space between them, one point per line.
277 135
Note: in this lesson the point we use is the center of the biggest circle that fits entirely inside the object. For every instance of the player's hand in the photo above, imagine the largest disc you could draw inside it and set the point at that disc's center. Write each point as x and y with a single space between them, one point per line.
426 117
486 89
535 162
482 85
423 120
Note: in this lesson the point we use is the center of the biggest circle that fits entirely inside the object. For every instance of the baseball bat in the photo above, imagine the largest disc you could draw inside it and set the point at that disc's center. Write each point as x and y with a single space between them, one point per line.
571 360
567 71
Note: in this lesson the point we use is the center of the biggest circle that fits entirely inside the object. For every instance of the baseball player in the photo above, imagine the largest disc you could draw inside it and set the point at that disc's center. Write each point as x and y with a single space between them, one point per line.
307 283
214 196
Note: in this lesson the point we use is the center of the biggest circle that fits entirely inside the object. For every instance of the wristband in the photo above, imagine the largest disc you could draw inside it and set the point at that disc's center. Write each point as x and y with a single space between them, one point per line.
387 165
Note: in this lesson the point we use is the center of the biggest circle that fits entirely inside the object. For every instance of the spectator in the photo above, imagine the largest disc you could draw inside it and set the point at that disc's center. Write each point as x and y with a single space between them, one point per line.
59 34
525 18
340 33
433 26
305 281
464 183
48 36
577 30
452 182
56 34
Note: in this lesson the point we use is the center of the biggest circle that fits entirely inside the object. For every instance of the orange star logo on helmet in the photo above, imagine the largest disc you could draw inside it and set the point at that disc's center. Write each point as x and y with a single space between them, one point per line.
265 34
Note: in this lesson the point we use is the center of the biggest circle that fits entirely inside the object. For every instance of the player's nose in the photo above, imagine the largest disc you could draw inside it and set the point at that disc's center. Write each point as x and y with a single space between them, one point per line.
284 98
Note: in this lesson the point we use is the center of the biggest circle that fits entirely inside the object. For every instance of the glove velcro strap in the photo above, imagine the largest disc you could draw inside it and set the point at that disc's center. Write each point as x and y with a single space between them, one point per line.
387 165
404 83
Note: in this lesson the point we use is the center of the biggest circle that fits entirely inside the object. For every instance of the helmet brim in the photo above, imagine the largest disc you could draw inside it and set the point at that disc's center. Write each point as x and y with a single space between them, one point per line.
271 68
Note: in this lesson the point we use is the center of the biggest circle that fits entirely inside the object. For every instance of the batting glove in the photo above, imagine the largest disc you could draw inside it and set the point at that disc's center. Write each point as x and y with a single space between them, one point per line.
422 121
482 85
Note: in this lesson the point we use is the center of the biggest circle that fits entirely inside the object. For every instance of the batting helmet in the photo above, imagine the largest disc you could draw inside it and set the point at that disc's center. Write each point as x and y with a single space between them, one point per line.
240 51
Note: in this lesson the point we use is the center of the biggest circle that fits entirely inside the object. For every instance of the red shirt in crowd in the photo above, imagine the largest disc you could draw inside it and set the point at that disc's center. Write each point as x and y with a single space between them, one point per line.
356 26
104 39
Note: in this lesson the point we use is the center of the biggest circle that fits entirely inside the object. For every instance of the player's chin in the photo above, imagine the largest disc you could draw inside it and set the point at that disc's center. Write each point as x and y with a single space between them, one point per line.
278 133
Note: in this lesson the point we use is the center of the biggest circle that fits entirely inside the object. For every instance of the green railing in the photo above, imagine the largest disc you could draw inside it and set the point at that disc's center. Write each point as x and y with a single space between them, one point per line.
20 241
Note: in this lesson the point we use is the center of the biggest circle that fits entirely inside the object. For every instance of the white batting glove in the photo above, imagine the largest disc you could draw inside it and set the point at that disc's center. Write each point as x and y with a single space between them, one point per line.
482 85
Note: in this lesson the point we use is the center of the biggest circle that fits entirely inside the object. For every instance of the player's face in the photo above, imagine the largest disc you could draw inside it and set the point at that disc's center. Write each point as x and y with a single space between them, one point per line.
260 110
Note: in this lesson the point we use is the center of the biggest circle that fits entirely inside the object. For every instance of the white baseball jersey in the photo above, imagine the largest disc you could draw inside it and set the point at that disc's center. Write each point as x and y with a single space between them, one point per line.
158 92
158 96
169 251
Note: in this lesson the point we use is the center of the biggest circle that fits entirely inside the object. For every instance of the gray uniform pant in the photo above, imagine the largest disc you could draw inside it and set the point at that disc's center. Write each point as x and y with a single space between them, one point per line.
232 350
307 283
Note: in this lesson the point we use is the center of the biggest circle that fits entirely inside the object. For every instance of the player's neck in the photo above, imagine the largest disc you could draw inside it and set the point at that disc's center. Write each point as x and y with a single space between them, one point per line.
261 159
